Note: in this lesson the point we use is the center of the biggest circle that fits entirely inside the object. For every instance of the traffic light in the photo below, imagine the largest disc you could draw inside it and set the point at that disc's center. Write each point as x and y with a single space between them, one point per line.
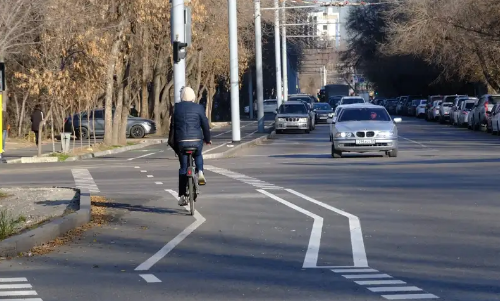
178 53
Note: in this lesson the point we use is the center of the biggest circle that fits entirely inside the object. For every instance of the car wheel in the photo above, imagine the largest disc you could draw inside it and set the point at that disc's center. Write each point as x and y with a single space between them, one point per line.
307 131
393 153
331 139
279 131
335 153
137 132
83 134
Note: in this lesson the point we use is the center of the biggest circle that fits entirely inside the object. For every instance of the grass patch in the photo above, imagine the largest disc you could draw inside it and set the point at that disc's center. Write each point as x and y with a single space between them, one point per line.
61 157
9 224
3 195
131 143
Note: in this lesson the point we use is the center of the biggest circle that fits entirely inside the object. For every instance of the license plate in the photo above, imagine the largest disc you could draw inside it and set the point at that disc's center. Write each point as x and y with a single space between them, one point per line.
323 118
364 141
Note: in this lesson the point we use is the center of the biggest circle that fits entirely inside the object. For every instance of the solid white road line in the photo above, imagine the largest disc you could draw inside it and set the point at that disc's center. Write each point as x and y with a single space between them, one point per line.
311 258
150 278
379 282
4 280
143 156
14 286
18 293
146 265
357 243
413 141
354 270
383 289
410 296
23 299
367 276
252 133
222 134
214 148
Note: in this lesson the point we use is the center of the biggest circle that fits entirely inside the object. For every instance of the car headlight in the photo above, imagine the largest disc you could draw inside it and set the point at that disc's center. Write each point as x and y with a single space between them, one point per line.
344 135
302 119
385 134
330 115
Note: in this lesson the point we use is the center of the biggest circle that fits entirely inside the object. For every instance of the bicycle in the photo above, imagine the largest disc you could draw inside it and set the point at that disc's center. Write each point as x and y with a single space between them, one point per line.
192 183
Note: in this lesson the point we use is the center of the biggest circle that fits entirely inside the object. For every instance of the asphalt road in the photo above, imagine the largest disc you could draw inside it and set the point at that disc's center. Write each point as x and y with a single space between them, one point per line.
284 221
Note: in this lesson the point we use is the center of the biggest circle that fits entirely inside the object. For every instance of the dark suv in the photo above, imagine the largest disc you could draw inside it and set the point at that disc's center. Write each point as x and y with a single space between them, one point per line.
136 127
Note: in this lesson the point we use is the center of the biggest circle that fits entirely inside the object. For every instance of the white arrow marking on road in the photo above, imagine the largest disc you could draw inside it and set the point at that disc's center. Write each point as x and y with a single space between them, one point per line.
150 278
311 258
357 243
146 265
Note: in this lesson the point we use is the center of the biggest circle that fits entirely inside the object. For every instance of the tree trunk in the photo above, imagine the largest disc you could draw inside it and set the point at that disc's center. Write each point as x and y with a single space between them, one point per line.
145 74
112 61
198 75
122 137
119 102
210 97
157 89
21 114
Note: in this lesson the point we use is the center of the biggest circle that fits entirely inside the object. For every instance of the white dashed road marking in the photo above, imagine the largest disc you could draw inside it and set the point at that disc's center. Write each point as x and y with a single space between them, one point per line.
143 156
150 278
84 180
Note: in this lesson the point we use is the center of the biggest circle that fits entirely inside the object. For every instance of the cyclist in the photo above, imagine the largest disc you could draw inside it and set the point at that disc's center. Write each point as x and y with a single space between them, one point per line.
190 128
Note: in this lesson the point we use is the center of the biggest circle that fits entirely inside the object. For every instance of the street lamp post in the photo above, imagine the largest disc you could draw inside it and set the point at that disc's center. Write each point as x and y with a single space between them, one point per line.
258 66
277 51
233 58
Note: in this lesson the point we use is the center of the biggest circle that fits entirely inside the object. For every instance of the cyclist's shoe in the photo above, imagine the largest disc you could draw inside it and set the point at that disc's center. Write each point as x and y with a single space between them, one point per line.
201 178
182 201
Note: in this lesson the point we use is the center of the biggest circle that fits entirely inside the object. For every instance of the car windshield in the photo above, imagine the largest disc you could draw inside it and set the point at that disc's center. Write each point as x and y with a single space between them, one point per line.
469 105
350 101
302 99
494 100
270 102
447 104
293 109
322 106
415 102
364 114
423 102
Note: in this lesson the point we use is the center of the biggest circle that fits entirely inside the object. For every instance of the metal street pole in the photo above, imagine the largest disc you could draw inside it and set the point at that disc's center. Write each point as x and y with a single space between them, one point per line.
250 94
258 66
285 56
233 58
325 75
277 51
178 34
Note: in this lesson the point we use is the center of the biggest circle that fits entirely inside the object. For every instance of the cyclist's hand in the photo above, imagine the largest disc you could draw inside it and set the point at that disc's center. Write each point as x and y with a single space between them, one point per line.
208 143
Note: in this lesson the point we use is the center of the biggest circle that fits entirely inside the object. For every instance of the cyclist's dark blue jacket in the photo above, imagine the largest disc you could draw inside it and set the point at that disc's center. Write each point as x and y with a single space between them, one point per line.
189 122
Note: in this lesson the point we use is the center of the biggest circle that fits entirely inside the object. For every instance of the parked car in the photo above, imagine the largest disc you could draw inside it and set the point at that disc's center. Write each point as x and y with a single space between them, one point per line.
322 112
430 104
401 105
480 113
364 128
446 107
495 121
434 111
464 110
489 119
412 107
455 109
293 115
420 109
270 106
391 106
94 123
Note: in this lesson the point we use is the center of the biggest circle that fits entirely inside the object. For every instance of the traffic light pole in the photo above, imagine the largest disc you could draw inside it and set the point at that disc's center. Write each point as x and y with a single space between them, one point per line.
178 35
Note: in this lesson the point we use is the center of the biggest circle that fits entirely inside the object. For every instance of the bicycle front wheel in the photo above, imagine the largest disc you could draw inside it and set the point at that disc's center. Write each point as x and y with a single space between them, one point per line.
191 195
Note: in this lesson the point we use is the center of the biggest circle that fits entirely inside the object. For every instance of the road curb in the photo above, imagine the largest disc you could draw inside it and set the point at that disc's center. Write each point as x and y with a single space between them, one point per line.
24 242
45 159
232 152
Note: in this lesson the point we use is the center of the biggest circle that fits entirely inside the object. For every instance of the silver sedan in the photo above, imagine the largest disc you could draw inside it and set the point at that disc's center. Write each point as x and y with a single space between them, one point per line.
364 128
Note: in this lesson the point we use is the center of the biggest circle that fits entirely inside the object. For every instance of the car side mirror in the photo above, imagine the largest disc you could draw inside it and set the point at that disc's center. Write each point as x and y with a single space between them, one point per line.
398 120
276 111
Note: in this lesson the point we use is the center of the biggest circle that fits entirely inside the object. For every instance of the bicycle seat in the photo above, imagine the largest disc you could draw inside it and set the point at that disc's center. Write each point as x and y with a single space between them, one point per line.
190 150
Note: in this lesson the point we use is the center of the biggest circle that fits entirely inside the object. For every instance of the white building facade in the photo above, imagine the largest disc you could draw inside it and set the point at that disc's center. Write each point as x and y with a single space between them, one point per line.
326 25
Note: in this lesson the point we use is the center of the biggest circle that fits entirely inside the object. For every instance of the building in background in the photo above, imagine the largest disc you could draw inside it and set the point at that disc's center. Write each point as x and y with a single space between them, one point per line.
326 25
